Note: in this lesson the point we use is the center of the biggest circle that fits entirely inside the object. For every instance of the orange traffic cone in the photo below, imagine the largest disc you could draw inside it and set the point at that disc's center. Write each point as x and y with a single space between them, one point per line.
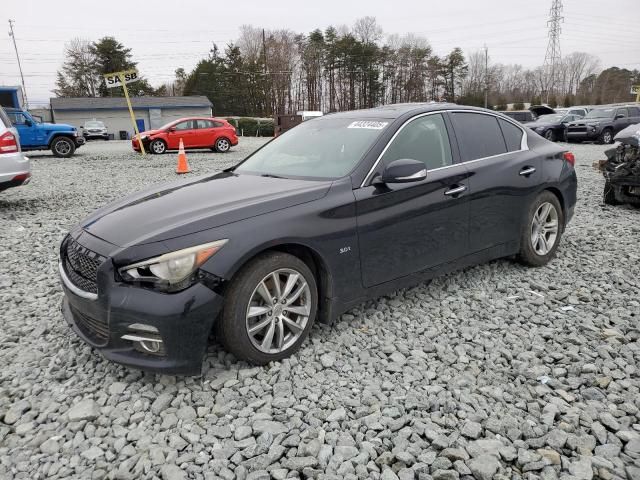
183 166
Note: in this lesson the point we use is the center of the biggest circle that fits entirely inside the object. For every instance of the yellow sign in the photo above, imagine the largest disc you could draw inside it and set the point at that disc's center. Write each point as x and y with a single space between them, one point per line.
117 79
635 90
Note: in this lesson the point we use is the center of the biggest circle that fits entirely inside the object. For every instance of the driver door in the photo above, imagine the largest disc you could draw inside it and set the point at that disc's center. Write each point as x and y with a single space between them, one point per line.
184 130
404 228
26 132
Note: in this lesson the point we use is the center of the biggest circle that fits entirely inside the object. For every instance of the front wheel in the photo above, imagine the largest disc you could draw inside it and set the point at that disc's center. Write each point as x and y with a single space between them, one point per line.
609 195
550 135
158 147
606 136
63 147
541 231
222 145
269 308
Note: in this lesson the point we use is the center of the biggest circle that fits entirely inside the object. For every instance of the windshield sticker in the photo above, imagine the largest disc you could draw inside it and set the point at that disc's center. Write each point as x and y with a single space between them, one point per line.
371 125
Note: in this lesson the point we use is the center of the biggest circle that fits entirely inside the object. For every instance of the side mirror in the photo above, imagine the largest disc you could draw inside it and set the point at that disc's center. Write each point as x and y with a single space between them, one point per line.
28 122
171 129
405 170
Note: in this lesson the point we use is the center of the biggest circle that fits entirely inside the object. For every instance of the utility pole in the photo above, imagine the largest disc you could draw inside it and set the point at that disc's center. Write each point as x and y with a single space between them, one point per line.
486 76
552 57
268 84
24 88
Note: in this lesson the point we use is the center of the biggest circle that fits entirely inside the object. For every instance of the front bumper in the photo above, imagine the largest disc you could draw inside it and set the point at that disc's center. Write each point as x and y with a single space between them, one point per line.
588 134
182 322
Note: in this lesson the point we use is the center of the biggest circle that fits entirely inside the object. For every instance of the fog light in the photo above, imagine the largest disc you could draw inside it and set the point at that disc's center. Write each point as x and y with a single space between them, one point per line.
145 339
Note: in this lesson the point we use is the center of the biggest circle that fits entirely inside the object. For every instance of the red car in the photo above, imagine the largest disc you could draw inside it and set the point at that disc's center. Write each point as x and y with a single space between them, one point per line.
195 132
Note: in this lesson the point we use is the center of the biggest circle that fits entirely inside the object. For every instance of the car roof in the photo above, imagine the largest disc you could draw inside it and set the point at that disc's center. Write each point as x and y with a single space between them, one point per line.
199 118
398 110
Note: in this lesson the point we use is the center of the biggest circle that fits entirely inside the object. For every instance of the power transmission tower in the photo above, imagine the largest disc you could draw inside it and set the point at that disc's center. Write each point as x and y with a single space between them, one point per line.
24 88
552 57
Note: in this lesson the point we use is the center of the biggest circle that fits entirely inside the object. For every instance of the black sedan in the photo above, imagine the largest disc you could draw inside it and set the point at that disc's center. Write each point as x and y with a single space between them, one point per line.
553 127
337 210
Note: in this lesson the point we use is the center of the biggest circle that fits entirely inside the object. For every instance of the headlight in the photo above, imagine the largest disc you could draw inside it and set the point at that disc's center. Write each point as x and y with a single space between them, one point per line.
171 271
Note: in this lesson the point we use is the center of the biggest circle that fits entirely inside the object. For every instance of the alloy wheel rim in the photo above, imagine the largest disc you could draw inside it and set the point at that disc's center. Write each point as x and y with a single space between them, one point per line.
223 145
158 147
278 311
62 147
607 137
544 228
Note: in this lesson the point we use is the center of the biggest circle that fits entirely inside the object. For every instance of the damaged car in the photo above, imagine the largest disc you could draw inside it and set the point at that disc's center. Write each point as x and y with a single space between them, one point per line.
622 169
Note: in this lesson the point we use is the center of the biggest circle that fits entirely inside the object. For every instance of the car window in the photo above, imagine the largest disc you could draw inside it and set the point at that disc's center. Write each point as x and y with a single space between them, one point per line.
16 118
478 135
205 124
218 124
512 135
424 139
5 121
634 111
623 112
188 125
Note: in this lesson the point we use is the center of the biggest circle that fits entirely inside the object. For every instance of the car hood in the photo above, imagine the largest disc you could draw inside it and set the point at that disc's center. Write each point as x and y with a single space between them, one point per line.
150 132
535 125
182 208
56 127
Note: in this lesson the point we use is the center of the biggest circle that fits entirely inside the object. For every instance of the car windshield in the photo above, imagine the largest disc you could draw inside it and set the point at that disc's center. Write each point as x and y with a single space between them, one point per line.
94 124
325 147
601 113
551 118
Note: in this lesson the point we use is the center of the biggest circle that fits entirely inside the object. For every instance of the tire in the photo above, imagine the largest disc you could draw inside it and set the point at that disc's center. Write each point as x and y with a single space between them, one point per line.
533 251
222 145
63 147
609 195
550 135
244 293
158 147
606 137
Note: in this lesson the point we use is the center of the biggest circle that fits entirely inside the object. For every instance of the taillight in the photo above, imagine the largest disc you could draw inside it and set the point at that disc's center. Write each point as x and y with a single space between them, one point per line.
8 143
570 158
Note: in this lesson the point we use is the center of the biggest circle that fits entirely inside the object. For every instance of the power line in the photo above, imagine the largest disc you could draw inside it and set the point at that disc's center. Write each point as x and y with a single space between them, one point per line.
24 88
553 57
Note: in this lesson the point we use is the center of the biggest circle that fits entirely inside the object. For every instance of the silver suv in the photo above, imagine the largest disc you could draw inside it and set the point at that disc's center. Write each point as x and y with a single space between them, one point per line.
15 168
94 129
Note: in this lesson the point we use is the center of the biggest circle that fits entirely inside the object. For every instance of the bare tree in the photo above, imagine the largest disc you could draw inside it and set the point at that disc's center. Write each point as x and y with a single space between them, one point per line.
367 30
78 76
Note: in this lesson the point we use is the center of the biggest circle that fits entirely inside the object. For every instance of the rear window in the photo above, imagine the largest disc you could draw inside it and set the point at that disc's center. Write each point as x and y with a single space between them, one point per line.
512 135
634 112
479 135
4 119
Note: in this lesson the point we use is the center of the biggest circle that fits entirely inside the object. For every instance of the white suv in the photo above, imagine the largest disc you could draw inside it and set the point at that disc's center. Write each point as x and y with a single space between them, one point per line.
15 168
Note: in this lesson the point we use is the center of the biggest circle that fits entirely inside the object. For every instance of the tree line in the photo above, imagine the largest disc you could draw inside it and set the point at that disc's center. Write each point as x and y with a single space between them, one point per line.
267 72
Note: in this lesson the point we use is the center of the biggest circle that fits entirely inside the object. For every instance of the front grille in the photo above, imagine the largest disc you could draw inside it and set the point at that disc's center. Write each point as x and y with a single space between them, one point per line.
81 266
96 330
578 129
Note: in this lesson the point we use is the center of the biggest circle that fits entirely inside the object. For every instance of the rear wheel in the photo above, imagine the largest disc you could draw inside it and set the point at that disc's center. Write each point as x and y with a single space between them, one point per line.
609 195
63 147
269 308
158 147
222 145
541 231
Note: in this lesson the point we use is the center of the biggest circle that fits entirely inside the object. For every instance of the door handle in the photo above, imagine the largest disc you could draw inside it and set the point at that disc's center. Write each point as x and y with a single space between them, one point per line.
456 190
526 171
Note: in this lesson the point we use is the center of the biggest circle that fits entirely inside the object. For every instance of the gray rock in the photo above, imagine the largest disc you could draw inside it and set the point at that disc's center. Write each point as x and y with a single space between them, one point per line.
337 415
242 432
84 410
327 360
445 475
484 467
471 430
161 403
387 474
269 426
581 469
172 472
298 463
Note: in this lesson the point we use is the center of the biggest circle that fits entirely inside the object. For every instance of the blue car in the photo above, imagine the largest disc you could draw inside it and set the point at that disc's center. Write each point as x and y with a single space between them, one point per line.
34 134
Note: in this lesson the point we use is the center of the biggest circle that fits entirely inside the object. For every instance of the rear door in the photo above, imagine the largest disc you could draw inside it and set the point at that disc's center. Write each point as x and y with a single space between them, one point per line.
634 115
206 133
407 227
623 122
504 176
184 130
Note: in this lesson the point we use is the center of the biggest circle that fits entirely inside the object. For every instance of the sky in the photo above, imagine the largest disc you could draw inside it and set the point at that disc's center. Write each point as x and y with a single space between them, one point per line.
165 35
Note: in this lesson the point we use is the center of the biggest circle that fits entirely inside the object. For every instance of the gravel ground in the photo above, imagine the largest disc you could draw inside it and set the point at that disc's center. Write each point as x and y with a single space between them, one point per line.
497 371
